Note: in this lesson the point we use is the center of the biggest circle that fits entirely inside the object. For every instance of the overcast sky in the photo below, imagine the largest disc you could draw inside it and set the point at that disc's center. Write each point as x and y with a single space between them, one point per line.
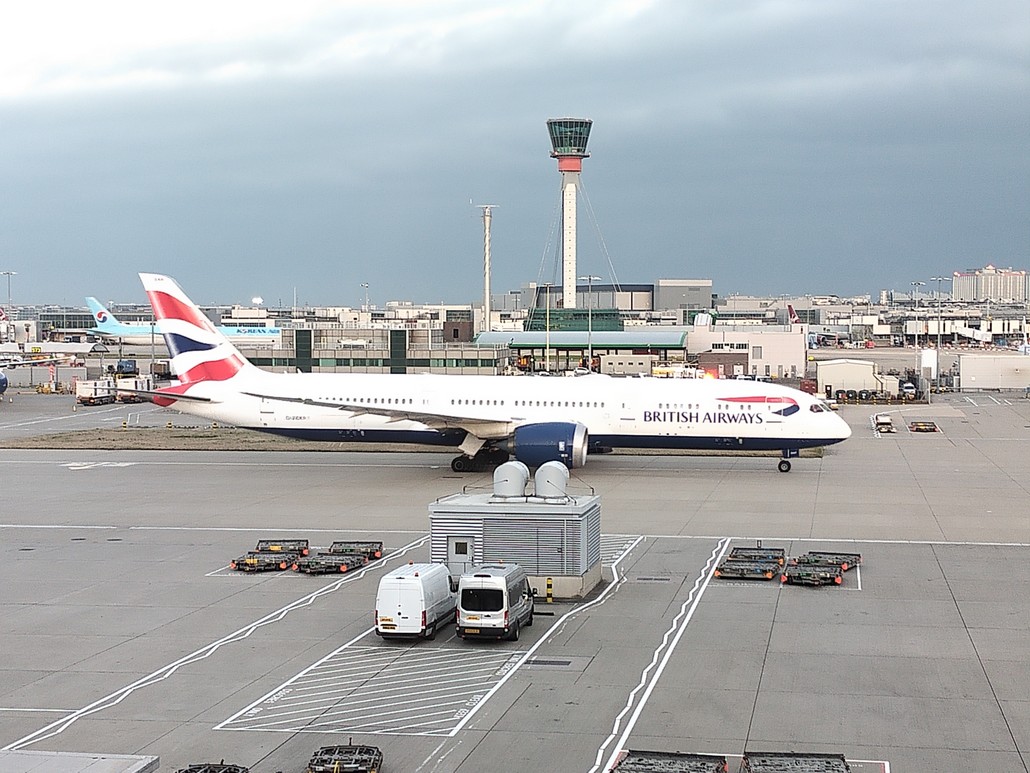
250 148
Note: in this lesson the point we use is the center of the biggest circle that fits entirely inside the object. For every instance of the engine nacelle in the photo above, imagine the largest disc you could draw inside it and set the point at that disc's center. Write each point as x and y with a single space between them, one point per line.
3 383
551 441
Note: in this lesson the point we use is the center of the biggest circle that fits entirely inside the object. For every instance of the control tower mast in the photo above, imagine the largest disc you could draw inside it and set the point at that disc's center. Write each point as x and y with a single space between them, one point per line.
569 145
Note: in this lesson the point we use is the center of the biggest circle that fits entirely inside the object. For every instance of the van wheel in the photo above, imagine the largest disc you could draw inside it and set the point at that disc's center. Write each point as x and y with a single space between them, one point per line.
529 622
431 632
513 635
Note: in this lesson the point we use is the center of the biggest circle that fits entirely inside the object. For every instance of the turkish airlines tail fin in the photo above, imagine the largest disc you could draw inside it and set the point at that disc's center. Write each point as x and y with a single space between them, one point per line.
199 352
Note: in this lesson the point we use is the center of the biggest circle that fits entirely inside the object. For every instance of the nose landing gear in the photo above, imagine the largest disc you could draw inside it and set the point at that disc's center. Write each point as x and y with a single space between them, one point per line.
787 454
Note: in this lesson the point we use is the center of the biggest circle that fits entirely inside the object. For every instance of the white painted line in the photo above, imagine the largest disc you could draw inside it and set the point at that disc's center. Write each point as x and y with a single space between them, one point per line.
51 526
15 425
34 711
292 680
252 528
858 575
970 401
679 626
556 627
55 728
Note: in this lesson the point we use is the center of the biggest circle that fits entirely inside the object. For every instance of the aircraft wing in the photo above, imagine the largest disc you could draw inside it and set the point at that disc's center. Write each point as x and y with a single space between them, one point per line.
42 361
486 428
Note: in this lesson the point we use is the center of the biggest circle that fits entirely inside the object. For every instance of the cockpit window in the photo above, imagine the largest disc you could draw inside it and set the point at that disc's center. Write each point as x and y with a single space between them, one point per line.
816 408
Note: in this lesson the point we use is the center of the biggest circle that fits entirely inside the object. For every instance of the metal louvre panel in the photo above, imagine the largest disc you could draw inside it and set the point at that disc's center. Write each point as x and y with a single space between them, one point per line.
540 547
591 526
440 528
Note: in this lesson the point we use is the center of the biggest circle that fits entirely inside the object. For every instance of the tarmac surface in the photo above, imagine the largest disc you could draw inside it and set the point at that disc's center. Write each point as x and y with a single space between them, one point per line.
126 634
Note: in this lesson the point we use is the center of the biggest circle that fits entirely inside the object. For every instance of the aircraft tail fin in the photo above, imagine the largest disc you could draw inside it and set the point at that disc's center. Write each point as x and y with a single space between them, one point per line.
3 315
795 319
103 318
199 351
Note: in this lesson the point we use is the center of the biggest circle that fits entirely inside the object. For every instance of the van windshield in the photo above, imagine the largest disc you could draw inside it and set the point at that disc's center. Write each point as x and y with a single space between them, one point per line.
482 599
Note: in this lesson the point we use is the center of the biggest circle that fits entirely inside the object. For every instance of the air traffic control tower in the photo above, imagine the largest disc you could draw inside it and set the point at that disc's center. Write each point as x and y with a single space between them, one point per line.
569 145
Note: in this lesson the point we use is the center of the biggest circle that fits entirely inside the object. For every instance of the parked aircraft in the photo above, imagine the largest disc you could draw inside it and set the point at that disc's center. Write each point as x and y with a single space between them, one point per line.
14 362
488 418
108 326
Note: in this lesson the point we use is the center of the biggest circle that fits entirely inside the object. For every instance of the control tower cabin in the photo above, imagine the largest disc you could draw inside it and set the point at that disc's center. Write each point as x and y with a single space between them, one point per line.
569 145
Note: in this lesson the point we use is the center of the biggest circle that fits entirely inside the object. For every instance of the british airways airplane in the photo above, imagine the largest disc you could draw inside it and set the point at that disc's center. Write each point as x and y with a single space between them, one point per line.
487 418
108 326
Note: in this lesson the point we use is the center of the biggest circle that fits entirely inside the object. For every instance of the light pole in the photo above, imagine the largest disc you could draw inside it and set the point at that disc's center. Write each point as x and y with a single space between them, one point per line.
365 286
9 274
938 280
547 329
915 304
590 279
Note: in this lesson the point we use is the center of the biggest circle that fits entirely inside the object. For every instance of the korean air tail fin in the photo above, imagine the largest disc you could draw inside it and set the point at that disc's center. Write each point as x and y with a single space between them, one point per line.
199 352
102 318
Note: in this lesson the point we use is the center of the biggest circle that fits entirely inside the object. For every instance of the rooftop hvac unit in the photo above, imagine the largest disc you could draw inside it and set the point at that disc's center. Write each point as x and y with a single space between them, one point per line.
510 480
552 481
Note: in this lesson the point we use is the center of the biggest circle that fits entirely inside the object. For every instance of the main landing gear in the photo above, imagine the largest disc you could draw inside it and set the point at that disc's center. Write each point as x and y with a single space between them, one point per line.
484 459
783 466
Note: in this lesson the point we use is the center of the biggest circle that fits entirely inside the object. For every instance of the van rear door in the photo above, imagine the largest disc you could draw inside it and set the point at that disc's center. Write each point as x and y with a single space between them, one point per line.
400 607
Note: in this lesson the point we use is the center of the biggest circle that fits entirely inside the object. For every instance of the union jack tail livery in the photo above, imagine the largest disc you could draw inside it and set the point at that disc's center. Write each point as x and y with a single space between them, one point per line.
199 352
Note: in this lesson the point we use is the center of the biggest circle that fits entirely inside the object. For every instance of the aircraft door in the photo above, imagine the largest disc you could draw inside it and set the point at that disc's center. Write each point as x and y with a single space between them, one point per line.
267 412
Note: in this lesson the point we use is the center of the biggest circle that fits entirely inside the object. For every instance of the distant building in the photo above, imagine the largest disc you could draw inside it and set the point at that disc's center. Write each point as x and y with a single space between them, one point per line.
1002 285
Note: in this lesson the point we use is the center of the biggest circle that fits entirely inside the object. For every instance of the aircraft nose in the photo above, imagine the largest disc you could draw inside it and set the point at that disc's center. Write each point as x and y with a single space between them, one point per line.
844 429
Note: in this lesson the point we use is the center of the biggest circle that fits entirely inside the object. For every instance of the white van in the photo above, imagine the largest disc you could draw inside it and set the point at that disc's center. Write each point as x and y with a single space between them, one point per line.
414 600
495 602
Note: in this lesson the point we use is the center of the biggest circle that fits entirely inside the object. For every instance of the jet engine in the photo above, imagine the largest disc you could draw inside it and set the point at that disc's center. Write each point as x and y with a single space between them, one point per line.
3 383
552 441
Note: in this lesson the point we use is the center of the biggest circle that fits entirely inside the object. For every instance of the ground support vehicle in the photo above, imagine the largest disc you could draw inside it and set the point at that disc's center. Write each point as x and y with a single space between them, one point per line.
296 546
733 569
922 426
844 560
128 389
764 555
494 601
632 761
346 759
883 422
414 600
327 563
214 767
812 574
370 549
98 392
263 561
793 762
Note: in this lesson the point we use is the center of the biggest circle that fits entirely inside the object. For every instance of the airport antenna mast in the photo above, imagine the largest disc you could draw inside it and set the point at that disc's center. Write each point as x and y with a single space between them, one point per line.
569 138
487 218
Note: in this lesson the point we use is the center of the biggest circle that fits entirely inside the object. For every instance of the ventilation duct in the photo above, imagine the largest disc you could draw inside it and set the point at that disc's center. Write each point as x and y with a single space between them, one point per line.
552 480
510 479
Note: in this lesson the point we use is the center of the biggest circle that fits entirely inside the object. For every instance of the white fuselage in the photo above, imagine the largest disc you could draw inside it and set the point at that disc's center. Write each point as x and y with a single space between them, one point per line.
643 412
